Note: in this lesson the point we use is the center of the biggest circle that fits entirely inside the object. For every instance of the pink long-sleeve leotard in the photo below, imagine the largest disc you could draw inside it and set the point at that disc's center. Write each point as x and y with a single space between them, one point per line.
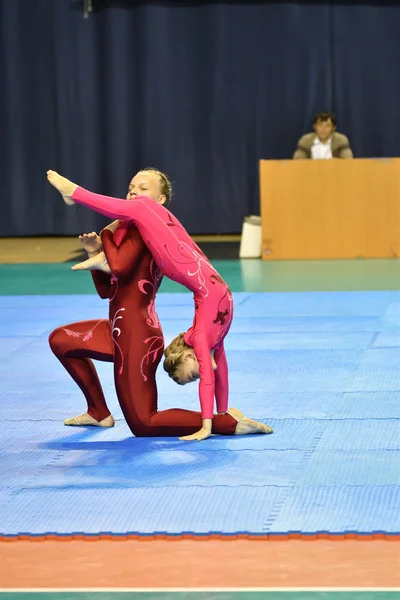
180 259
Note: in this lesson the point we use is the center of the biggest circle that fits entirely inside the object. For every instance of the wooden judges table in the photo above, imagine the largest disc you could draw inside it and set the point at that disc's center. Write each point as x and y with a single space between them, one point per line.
315 209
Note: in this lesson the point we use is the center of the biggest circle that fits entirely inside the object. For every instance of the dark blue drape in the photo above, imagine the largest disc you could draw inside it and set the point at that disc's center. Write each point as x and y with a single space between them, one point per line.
199 90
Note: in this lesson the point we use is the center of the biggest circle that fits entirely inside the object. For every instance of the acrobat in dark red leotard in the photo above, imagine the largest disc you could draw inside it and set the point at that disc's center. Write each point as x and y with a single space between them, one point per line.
131 338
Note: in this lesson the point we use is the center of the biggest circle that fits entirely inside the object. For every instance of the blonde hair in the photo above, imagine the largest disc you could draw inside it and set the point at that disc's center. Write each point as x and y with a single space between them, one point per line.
165 184
174 355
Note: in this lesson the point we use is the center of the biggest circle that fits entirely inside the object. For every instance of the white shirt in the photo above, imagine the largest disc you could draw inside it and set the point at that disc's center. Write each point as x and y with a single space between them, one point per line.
321 150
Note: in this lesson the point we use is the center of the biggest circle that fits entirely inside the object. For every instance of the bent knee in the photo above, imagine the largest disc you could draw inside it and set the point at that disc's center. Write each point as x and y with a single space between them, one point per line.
57 340
140 426
142 430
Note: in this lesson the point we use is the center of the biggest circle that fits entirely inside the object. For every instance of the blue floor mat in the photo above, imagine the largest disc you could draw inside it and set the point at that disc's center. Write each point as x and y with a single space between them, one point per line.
341 509
143 510
369 405
321 368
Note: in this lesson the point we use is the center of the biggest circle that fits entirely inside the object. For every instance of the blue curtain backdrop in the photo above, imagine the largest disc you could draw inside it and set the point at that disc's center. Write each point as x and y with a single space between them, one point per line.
199 90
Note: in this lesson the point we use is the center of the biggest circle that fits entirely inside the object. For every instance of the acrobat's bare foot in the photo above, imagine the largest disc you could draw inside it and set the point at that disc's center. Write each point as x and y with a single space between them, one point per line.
98 262
86 420
247 426
63 185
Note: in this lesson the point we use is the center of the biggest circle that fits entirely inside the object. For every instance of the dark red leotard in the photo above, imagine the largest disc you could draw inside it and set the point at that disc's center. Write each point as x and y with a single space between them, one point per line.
132 338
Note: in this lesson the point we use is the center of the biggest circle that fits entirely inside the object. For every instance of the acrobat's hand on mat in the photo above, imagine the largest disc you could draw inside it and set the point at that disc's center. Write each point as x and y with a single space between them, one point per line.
203 434
63 185
98 262
91 242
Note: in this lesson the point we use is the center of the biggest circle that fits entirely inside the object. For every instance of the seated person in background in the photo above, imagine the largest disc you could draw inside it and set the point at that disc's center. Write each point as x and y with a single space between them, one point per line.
326 142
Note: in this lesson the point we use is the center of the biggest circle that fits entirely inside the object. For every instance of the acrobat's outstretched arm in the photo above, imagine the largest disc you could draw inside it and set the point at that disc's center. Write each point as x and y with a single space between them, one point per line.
113 208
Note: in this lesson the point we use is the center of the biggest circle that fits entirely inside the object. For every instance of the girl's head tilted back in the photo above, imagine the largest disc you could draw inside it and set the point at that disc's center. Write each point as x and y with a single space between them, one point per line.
180 361
152 183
